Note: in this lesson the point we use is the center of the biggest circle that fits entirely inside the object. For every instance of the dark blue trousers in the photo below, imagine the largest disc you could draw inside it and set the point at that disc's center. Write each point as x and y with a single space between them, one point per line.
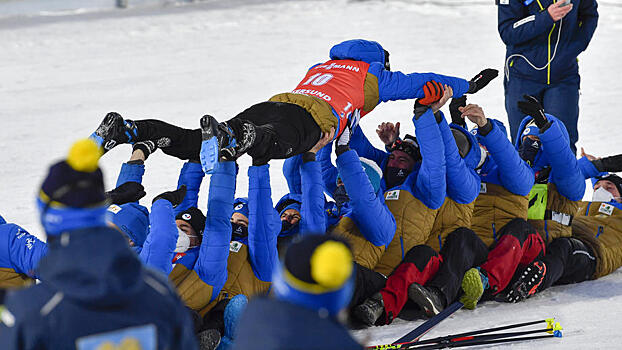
559 99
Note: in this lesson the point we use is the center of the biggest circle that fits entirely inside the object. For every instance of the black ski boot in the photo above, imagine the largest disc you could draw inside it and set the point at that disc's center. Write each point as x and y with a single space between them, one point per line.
528 282
370 310
429 299
219 142
114 131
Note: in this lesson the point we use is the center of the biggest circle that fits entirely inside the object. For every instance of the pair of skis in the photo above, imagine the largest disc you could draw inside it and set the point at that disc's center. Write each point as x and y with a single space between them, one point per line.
479 337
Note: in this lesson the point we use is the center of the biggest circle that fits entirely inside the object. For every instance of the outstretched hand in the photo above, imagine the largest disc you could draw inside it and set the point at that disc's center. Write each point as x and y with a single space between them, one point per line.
475 114
175 197
327 137
532 107
388 133
447 93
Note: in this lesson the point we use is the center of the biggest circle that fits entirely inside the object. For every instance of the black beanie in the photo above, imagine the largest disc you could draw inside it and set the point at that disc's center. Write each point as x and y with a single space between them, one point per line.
617 181
408 145
462 141
194 217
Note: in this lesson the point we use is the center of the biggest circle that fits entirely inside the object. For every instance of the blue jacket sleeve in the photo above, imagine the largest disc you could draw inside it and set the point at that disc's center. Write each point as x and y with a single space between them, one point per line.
588 20
371 215
25 250
364 148
517 26
159 247
463 183
264 224
131 172
565 172
430 186
588 169
191 175
514 174
291 170
329 171
313 200
394 86
211 266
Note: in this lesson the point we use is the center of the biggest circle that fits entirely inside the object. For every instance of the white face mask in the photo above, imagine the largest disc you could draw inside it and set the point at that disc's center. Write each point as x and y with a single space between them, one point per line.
602 195
183 242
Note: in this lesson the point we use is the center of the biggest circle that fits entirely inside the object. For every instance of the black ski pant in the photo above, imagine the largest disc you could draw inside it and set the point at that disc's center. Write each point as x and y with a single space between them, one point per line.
367 283
567 260
462 250
283 130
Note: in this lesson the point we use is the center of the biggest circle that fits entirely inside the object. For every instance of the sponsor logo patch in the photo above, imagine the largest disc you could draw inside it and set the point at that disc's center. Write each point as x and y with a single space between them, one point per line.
606 209
115 209
392 195
186 216
235 246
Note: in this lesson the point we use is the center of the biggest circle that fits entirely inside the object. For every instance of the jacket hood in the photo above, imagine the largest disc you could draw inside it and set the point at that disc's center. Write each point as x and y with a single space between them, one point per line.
358 50
94 266
540 161
473 157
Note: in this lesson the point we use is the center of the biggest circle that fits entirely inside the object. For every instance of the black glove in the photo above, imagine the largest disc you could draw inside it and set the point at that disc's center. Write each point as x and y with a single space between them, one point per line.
456 115
531 106
609 164
175 197
128 192
482 79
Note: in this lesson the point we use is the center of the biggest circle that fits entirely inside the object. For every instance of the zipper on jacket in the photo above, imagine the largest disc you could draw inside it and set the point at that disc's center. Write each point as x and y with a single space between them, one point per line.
494 232
440 242
402 245
548 68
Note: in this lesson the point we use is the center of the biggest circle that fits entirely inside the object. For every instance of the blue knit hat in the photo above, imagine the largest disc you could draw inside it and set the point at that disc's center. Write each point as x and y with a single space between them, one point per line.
360 50
132 219
373 172
317 273
72 194
240 205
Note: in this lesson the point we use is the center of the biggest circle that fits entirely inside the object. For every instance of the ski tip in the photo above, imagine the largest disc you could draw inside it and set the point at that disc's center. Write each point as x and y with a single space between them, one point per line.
557 334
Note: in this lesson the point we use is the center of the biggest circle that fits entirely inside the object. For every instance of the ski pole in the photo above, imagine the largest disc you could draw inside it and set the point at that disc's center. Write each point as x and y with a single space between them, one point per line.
485 342
549 321
453 341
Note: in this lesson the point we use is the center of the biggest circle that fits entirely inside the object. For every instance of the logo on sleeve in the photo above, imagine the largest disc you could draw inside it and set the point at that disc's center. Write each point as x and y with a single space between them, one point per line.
115 209
606 209
392 195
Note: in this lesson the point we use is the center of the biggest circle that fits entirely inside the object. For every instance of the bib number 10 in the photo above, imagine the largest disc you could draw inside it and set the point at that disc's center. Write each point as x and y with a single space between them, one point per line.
318 79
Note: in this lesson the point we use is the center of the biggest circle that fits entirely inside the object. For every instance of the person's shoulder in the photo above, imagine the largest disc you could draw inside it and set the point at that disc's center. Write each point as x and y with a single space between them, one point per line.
28 303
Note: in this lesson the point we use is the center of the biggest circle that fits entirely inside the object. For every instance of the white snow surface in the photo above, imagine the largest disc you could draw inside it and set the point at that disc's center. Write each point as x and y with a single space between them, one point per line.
60 75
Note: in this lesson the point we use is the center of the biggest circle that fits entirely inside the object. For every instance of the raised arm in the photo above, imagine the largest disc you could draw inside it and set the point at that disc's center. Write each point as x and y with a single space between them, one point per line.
159 247
291 171
264 223
191 175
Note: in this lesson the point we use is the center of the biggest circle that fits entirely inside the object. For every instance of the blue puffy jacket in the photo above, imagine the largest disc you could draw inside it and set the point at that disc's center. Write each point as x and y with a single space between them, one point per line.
19 250
366 207
463 183
158 251
97 289
504 166
555 152
263 228
529 30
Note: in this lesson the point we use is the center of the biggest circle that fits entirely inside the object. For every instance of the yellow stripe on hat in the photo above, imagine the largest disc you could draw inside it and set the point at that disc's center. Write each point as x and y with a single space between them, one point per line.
84 155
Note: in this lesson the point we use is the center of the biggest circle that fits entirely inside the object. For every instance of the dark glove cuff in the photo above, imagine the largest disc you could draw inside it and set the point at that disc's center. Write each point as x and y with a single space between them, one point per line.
142 147
438 117
308 157
420 109
472 88
339 150
259 162
598 164
484 130
136 162
544 127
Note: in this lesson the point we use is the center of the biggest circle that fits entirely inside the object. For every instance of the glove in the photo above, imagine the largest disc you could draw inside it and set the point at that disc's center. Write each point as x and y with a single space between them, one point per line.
609 164
128 192
432 92
531 106
482 79
148 147
456 115
175 197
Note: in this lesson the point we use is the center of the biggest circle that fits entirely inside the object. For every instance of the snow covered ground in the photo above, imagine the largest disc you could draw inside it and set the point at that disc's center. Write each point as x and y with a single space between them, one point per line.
60 75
